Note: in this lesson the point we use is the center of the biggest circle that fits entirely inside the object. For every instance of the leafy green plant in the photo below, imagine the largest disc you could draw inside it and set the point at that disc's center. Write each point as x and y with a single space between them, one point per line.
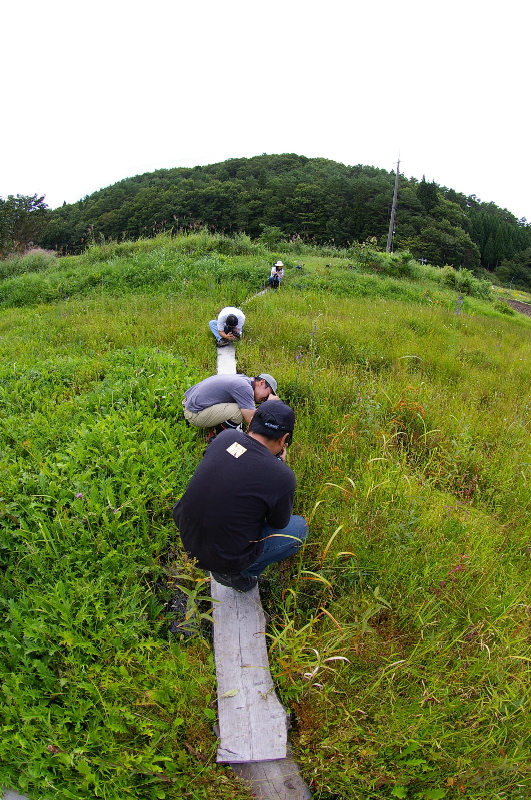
504 308
191 603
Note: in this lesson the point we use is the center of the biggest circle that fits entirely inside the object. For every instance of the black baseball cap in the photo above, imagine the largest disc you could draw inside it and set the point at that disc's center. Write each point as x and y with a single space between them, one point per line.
273 419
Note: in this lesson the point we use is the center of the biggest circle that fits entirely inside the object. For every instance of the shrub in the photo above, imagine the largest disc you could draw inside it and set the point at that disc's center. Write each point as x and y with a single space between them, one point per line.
464 281
504 308
34 260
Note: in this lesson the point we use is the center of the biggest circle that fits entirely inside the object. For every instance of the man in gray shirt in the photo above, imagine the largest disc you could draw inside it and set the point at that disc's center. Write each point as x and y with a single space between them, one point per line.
227 399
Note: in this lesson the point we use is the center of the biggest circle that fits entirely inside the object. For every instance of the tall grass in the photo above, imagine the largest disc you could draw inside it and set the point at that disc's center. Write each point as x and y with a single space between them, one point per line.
413 443
203 263
398 638
34 260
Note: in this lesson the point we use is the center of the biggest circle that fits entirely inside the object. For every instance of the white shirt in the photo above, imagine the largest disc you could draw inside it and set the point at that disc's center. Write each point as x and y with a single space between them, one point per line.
224 313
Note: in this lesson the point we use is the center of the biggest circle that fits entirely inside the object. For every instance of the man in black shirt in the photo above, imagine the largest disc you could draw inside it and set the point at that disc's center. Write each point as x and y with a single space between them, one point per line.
235 515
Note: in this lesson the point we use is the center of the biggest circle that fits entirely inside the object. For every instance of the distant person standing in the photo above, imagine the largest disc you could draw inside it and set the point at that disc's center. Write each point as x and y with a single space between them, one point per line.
277 273
228 327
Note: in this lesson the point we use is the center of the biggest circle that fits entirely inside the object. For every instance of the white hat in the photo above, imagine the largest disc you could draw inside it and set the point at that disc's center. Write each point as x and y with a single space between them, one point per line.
279 264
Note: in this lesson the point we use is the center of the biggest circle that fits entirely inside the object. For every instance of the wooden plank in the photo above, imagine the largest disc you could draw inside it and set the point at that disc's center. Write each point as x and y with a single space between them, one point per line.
252 721
274 780
226 360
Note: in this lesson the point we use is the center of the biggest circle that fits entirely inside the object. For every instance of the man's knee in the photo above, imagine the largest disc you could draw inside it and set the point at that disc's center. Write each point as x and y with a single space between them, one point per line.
214 415
189 417
300 528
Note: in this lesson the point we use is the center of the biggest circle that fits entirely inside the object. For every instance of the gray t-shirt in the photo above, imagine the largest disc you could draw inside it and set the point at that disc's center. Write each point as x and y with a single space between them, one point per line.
220 389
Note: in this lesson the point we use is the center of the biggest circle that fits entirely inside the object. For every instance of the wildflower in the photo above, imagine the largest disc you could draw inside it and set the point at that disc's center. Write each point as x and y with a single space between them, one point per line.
79 495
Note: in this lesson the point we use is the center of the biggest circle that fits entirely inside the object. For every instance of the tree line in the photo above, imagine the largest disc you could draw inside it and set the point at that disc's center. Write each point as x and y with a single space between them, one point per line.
279 197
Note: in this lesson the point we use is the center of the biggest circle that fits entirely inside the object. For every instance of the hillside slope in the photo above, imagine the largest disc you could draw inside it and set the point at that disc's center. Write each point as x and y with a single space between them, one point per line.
284 196
399 639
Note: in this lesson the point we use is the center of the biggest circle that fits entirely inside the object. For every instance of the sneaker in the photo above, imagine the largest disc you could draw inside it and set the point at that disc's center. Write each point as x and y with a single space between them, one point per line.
213 432
242 583
211 435
222 342
230 426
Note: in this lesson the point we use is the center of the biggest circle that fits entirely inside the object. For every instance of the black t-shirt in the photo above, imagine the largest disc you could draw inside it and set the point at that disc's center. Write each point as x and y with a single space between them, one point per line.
238 485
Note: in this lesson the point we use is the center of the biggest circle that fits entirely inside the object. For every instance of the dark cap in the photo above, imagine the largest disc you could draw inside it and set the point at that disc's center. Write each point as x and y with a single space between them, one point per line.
232 320
273 419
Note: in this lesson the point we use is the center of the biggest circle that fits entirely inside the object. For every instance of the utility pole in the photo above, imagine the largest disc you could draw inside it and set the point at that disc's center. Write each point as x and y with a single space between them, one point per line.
389 248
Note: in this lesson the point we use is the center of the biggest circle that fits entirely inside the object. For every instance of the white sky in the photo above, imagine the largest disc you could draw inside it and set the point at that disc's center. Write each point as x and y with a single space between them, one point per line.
94 92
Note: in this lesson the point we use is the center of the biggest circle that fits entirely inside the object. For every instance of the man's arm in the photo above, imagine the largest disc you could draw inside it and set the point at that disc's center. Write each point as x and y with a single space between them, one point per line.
280 514
222 319
247 414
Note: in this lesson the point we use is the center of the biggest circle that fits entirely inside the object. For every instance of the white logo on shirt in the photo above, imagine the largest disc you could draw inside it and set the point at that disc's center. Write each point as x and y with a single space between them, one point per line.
236 450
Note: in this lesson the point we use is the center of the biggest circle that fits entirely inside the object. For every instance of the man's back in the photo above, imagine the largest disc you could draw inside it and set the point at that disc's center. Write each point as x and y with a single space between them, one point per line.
237 486
220 389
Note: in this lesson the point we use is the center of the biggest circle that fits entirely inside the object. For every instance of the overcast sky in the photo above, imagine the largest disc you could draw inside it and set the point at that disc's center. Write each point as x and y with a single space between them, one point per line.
94 92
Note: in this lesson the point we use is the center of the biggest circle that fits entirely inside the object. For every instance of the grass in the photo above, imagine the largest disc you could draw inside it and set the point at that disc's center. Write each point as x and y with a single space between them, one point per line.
399 639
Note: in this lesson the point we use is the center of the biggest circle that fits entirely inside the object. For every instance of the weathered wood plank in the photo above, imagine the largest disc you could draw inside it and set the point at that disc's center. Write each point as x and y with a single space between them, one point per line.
274 780
226 362
252 721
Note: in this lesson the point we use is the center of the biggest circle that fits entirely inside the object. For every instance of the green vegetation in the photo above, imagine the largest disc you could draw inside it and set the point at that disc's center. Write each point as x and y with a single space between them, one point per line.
22 220
399 638
291 198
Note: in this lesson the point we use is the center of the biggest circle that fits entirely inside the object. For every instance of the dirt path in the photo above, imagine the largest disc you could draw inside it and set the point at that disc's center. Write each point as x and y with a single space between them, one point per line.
523 308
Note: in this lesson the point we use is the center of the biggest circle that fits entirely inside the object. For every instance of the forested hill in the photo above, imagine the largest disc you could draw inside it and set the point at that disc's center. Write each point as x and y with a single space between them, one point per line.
281 196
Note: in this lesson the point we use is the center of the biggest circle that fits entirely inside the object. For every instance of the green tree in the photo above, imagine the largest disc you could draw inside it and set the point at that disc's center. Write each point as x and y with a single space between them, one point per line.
427 194
441 243
22 220
314 198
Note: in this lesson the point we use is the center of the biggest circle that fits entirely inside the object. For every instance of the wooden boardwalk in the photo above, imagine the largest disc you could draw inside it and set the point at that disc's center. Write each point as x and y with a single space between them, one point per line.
253 724
252 721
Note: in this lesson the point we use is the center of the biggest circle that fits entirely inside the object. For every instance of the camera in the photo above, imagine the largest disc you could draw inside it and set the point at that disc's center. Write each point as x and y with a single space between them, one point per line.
231 329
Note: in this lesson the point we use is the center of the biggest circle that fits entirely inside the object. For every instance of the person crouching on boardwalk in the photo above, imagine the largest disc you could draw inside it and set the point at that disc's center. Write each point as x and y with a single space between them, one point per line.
235 516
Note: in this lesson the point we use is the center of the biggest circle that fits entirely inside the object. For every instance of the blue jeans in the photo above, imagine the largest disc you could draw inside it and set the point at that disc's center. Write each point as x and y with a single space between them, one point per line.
277 545
213 325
